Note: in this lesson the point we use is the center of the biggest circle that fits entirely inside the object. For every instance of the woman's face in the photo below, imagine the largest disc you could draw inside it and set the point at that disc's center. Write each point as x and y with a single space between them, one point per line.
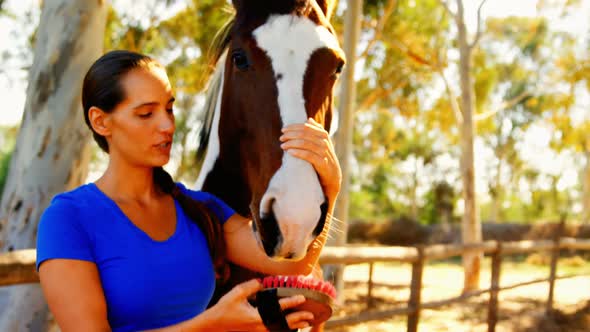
142 126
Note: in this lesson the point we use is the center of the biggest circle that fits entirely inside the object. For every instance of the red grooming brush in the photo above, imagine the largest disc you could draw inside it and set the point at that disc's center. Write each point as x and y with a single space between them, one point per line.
319 296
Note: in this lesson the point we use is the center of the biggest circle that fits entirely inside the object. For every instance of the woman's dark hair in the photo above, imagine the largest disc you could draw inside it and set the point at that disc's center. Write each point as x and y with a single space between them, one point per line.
102 88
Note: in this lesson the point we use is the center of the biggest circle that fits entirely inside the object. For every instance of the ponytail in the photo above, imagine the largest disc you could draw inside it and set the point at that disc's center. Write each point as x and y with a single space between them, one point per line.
202 216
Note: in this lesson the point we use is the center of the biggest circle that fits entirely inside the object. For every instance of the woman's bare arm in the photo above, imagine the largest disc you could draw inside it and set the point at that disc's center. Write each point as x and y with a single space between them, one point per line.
74 293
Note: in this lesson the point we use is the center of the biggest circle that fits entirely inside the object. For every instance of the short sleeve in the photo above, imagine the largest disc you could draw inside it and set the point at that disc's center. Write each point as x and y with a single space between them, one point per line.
216 205
60 234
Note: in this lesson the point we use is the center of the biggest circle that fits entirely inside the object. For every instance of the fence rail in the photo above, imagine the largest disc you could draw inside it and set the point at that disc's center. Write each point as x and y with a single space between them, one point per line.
18 267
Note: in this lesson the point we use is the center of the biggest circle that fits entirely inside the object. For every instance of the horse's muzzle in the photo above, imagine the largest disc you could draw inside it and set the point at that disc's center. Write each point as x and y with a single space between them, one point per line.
273 240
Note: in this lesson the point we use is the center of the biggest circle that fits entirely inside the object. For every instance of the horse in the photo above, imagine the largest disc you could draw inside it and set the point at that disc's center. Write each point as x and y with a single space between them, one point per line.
277 65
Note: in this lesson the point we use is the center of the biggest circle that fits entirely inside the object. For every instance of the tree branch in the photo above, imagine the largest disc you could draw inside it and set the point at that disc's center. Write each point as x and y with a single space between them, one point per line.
478 33
378 93
391 4
452 99
411 54
505 105
448 9
372 98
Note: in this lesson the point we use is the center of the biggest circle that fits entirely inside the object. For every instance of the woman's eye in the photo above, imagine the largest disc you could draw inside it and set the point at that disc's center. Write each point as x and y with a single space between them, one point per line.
240 59
145 115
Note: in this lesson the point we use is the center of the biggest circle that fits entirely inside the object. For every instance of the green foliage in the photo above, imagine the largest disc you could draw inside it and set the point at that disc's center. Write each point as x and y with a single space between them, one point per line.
404 121
440 200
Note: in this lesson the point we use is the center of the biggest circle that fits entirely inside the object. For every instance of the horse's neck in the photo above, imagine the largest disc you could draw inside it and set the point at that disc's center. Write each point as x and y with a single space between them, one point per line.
224 180
230 188
220 175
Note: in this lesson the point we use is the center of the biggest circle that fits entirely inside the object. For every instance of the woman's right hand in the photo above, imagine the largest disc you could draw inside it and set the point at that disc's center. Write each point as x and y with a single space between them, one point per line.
237 314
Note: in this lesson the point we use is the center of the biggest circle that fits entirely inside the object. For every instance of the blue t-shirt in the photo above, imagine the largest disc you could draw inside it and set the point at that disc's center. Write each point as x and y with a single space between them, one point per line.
147 284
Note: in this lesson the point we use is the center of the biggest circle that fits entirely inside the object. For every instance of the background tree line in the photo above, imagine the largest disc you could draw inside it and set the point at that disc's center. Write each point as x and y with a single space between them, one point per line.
406 131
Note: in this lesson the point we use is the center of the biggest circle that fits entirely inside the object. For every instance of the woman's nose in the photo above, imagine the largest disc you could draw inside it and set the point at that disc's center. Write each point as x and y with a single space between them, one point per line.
166 123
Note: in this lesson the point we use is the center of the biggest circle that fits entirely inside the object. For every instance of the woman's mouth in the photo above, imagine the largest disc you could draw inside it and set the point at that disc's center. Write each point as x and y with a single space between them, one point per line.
164 147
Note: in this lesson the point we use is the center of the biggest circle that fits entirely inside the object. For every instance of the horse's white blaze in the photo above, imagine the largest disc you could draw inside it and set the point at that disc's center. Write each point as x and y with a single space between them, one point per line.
213 143
289 41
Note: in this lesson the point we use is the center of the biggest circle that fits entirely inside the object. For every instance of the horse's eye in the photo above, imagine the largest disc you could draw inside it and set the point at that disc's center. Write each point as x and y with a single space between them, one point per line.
240 59
340 67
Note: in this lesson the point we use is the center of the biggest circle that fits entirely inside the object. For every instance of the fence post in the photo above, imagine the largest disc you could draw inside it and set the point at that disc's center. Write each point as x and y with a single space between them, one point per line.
553 269
370 287
416 291
494 287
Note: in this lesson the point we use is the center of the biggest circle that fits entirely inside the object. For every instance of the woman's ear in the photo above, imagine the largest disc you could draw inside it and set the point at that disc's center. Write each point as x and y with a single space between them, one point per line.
100 121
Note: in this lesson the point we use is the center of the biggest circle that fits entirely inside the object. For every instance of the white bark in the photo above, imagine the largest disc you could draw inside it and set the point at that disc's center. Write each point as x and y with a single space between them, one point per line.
471 226
51 153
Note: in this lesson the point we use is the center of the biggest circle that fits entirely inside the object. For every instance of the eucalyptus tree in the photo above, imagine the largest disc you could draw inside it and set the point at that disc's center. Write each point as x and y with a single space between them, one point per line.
51 153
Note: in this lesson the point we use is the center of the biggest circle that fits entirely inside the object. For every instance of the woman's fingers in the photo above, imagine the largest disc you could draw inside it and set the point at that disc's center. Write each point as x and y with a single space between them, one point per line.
311 157
245 289
299 319
310 126
307 136
301 143
241 315
291 301
310 141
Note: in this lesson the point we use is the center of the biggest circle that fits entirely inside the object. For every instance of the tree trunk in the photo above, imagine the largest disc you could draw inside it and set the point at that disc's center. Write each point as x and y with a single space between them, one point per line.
586 194
497 197
413 192
471 228
343 144
51 153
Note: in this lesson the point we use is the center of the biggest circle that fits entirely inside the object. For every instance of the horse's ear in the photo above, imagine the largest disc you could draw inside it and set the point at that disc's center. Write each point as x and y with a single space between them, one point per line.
327 7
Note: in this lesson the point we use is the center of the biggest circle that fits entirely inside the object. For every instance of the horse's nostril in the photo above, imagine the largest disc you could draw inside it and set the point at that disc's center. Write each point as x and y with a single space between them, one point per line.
269 231
269 250
320 226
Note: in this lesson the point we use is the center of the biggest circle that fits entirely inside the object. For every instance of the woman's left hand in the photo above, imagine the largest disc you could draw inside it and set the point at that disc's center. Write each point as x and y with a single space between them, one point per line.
311 142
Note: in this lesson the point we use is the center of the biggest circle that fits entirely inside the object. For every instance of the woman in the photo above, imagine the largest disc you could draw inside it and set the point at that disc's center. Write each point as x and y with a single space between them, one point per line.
136 251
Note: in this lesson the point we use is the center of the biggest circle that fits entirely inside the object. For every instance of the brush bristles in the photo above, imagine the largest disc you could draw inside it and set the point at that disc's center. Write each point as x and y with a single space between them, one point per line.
299 282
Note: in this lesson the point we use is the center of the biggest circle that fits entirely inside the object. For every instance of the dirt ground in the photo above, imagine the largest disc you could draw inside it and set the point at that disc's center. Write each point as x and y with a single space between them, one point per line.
520 309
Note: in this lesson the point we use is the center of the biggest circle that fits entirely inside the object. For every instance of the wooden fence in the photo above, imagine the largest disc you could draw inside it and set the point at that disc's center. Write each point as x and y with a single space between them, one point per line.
418 256
18 267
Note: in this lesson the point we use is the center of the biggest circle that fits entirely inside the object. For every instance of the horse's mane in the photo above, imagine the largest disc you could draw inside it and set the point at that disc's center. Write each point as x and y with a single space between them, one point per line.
217 54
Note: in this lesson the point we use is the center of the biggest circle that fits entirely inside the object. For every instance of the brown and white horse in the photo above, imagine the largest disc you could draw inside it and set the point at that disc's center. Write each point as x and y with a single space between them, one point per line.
279 63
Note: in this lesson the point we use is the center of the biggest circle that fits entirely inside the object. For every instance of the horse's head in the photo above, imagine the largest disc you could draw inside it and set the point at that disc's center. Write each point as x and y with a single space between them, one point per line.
283 59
